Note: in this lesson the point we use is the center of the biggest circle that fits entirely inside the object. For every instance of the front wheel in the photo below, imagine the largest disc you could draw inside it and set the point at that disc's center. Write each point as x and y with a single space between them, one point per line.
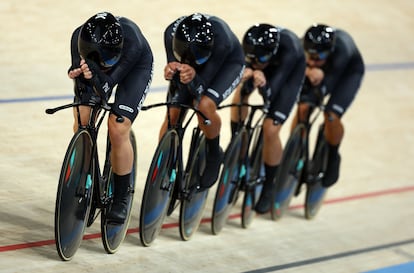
315 192
288 173
191 210
113 234
74 195
158 188
254 179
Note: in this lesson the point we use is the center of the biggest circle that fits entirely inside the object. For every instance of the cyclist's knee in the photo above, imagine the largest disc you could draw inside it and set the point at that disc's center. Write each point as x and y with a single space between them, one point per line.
118 131
270 129
332 117
207 105
334 129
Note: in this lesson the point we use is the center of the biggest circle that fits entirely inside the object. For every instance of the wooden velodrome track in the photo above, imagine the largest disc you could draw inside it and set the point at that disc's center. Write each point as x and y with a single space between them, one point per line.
366 224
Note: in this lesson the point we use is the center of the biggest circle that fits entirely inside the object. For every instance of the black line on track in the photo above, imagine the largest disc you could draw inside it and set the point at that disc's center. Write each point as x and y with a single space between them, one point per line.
330 257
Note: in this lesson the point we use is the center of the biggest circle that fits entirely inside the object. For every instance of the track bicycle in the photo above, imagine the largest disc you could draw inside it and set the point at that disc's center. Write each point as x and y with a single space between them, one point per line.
298 168
84 192
171 181
242 169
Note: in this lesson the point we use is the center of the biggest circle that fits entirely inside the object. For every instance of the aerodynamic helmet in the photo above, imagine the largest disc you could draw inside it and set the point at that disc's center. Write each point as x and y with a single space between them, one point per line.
319 41
260 43
101 40
193 40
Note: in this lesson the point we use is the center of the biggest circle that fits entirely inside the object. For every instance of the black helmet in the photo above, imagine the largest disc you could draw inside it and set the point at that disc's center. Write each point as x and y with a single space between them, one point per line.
319 41
260 43
193 40
101 39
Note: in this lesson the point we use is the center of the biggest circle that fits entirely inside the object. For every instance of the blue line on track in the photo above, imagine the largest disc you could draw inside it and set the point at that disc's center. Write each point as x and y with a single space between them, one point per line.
369 67
401 268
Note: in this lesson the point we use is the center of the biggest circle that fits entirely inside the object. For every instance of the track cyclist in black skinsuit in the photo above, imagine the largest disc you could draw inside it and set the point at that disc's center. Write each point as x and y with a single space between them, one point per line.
207 59
109 51
276 67
334 67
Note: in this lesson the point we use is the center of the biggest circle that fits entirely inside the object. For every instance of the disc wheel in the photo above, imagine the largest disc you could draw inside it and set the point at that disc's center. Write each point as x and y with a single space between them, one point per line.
254 180
74 195
113 234
158 188
228 184
288 173
315 192
192 208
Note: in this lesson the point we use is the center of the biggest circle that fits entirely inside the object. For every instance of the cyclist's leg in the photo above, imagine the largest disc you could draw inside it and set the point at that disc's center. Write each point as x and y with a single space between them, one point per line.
229 76
308 96
279 110
122 157
237 114
272 152
339 101
214 153
130 95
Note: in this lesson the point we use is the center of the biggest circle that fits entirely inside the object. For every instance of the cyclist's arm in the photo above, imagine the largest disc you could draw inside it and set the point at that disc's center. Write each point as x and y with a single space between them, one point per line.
290 53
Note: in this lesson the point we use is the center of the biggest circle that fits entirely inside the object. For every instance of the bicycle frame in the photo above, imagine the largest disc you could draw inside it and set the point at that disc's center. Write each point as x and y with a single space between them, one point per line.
242 165
96 187
96 116
251 122
180 127
308 122
168 180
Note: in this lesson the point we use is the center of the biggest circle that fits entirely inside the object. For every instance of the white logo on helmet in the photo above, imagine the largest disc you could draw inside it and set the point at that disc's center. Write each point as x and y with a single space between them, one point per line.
101 15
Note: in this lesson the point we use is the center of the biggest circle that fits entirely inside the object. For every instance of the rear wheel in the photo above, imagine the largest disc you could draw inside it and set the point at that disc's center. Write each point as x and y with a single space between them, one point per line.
288 173
228 184
113 234
158 188
192 208
74 195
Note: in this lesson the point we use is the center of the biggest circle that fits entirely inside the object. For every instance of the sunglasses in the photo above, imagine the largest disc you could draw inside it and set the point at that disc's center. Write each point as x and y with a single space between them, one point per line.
320 56
261 59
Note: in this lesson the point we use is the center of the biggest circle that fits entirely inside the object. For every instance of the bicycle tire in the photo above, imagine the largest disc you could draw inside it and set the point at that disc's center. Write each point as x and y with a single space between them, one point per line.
254 181
114 234
191 209
74 194
288 173
158 187
315 192
228 184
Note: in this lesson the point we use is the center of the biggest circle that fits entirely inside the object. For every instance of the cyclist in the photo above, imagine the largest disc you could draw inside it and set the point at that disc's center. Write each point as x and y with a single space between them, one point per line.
108 51
334 67
275 65
205 59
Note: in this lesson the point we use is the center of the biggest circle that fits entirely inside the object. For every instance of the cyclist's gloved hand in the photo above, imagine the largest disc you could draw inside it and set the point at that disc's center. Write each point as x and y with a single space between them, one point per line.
102 83
247 87
79 87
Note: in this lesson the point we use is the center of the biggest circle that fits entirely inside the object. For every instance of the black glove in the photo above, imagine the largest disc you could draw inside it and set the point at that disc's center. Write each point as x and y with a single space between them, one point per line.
317 92
102 84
